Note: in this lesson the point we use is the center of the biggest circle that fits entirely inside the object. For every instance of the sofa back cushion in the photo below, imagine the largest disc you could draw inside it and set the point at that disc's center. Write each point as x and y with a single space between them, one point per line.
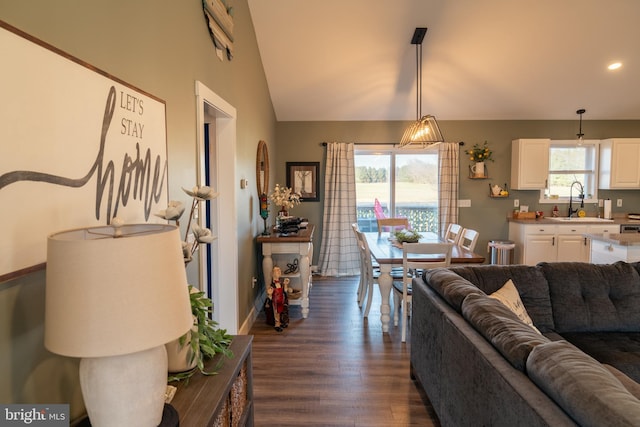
450 286
581 386
529 280
513 338
589 297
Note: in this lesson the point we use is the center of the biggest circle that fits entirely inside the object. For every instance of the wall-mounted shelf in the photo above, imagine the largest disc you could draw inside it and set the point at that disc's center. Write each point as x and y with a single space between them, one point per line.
499 196
474 176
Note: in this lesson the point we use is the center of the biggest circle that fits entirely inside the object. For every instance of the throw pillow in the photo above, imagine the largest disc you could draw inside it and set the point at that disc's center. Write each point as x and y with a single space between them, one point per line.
509 296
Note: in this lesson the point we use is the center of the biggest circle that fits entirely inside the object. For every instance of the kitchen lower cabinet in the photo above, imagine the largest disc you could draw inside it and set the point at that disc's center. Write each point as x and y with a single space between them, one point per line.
571 243
548 242
538 248
608 253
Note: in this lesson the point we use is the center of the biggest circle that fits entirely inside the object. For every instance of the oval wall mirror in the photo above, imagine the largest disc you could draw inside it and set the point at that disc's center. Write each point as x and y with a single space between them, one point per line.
262 168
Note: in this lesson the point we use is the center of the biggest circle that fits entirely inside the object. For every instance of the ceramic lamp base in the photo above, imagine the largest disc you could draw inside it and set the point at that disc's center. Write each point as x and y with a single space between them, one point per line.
125 390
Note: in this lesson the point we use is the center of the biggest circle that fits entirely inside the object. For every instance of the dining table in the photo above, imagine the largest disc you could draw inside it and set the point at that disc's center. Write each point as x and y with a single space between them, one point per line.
388 253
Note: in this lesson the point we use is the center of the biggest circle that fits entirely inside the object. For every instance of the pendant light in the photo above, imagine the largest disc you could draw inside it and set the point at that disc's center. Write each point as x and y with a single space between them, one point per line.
580 135
424 131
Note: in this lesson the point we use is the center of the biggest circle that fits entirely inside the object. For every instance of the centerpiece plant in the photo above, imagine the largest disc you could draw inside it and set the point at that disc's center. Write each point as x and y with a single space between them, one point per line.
205 339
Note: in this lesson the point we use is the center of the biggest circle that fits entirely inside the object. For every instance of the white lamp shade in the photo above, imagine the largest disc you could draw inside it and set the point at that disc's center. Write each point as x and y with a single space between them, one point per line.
108 296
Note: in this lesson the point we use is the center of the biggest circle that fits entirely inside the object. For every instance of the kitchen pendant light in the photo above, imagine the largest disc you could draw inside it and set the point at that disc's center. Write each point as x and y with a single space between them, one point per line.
580 135
425 130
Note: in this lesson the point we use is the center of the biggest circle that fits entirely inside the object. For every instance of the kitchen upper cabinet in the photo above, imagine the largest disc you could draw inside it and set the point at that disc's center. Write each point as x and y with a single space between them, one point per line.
620 163
529 163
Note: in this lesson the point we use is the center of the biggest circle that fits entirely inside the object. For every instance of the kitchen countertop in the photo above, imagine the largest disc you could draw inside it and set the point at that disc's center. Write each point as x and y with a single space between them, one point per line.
545 220
624 239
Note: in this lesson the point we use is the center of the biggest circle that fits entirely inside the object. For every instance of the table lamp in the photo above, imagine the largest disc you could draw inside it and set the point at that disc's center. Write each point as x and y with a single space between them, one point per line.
114 297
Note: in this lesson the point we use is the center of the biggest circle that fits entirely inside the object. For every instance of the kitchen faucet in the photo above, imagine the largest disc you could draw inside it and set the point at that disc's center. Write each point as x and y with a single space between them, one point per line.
581 196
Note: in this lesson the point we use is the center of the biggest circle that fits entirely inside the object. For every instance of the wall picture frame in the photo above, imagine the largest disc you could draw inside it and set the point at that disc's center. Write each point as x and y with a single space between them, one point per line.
303 178
80 147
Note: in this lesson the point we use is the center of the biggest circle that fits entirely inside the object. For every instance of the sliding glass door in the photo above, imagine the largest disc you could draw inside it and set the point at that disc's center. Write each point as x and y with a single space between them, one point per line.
397 183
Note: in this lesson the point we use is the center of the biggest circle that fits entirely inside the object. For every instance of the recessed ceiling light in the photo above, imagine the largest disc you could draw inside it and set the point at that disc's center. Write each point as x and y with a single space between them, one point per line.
615 66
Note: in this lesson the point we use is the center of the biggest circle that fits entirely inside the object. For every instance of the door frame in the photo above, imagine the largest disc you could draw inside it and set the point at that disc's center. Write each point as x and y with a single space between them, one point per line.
221 283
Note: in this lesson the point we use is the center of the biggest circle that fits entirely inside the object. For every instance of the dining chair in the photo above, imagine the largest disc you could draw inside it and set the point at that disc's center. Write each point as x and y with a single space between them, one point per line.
453 233
414 261
392 224
362 286
369 273
468 239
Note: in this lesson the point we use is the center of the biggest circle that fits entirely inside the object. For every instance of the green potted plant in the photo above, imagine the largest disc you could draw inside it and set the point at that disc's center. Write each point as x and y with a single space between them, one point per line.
205 339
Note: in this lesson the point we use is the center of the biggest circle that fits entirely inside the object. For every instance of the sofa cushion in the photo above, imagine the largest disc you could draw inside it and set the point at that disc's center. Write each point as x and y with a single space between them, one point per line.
584 388
619 349
451 287
632 386
499 325
508 295
531 283
589 297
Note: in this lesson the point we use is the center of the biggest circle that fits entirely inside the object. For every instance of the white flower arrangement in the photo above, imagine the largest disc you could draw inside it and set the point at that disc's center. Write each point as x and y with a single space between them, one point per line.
284 197
174 212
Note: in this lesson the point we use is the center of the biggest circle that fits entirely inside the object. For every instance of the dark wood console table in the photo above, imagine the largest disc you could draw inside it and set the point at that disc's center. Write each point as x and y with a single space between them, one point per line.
225 399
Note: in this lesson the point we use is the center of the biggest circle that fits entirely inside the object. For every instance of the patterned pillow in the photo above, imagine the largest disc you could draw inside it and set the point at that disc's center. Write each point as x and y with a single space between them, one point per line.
509 296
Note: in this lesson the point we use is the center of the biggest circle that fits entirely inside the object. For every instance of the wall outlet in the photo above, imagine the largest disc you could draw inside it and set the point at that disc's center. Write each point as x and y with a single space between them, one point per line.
464 203
600 203
619 203
516 203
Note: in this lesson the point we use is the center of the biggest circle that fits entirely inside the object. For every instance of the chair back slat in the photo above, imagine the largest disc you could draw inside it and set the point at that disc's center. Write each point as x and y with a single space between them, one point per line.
392 223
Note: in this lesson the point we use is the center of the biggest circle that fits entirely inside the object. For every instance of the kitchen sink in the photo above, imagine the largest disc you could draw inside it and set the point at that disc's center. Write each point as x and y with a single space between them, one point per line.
579 219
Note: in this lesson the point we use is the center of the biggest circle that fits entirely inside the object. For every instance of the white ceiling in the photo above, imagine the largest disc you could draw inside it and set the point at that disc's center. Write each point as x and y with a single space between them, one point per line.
482 59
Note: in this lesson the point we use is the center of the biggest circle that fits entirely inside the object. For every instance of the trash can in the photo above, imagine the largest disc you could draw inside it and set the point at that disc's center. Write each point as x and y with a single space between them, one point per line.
501 251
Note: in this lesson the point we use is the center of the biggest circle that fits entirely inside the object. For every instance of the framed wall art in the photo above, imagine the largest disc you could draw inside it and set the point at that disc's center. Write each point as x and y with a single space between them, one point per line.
303 178
79 147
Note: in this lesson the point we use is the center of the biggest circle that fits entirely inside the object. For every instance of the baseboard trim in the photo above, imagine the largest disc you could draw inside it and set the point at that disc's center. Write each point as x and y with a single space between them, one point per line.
253 314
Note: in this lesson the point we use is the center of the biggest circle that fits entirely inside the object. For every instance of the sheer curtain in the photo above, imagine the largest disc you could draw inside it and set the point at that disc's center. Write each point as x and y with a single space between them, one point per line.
338 251
448 170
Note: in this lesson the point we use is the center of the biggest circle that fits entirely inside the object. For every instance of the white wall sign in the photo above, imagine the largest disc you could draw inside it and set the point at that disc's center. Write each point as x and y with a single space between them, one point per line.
77 147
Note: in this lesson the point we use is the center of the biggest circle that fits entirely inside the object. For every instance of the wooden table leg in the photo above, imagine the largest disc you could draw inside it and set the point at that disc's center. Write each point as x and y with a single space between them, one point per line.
385 283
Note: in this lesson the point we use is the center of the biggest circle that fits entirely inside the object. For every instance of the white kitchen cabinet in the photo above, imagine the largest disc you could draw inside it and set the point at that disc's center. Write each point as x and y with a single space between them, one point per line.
529 163
620 163
539 242
607 253
599 229
534 242
572 245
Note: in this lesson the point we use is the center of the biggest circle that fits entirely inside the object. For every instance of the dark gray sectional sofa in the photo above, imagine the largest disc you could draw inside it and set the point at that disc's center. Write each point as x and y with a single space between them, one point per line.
480 365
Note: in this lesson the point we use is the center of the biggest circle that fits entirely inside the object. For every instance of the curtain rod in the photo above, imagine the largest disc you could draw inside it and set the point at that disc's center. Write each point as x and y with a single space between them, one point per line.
324 144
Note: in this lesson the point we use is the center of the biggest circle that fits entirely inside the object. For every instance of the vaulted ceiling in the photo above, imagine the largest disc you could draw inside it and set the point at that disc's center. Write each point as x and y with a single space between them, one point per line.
482 59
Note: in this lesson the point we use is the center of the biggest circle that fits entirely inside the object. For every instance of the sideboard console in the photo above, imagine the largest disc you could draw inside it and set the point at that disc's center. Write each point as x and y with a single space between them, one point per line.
224 399
283 250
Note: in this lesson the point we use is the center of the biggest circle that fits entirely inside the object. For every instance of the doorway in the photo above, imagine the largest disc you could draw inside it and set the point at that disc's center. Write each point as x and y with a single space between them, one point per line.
216 145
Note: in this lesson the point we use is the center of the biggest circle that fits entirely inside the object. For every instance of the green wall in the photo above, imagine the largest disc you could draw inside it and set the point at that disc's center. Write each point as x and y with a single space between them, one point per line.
161 47
301 141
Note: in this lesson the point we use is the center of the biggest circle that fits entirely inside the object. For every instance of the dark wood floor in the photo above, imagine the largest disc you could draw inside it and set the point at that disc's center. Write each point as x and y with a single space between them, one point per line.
335 368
